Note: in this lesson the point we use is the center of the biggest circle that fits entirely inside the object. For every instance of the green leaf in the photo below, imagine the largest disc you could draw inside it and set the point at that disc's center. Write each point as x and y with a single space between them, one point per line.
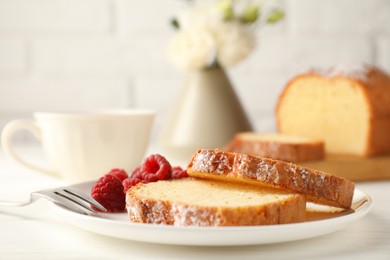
226 8
275 16
250 14
175 23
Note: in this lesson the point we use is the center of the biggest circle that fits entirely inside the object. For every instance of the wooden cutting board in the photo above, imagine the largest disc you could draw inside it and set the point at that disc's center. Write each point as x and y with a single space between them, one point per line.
353 168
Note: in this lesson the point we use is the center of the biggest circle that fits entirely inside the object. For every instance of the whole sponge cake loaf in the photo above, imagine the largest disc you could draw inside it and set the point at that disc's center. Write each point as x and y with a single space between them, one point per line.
318 187
347 108
197 202
288 148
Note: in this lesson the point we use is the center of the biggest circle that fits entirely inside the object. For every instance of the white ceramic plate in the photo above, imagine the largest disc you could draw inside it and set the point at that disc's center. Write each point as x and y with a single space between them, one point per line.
117 225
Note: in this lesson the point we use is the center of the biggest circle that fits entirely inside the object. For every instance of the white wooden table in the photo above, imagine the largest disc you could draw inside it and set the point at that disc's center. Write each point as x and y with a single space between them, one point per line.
35 232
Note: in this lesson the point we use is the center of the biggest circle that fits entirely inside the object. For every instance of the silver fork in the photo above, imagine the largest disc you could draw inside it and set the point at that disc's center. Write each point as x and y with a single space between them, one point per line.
68 197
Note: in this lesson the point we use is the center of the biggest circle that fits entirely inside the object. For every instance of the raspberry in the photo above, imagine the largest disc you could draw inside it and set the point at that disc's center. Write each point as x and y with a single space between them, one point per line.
136 173
155 168
108 191
118 173
130 182
133 180
178 173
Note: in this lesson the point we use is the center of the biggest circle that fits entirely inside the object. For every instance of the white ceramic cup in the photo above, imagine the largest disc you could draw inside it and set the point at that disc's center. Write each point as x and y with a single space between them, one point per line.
85 145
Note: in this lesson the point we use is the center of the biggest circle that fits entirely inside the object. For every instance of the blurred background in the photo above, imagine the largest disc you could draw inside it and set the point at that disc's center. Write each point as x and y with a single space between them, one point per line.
77 54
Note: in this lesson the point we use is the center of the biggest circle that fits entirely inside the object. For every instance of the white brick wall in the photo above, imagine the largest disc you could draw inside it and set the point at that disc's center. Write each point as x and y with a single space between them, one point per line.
55 17
12 56
58 54
24 94
340 17
382 57
100 56
134 17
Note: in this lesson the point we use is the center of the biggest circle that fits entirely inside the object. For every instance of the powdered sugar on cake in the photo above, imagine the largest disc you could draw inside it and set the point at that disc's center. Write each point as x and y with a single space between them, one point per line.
212 162
318 186
187 215
356 71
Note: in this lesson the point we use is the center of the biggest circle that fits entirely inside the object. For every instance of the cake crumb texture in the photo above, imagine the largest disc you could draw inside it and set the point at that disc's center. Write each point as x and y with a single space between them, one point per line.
319 187
199 202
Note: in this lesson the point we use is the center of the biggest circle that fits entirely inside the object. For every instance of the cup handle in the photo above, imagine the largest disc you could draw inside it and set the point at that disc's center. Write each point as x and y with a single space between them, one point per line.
6 142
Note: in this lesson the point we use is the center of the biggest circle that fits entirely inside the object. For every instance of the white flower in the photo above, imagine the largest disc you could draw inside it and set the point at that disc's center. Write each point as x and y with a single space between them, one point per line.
200 16
193 48
234 43
211 35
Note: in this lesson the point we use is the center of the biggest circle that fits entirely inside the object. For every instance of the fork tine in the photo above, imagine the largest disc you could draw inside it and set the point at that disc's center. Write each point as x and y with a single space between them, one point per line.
85 197
65 196
60 200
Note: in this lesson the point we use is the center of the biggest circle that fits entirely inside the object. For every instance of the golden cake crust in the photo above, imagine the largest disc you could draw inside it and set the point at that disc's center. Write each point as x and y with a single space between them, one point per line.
289 151
143 208
319 187
374 84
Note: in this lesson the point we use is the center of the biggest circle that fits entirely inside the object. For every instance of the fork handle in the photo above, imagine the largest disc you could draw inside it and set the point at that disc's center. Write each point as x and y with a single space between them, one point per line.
6 141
